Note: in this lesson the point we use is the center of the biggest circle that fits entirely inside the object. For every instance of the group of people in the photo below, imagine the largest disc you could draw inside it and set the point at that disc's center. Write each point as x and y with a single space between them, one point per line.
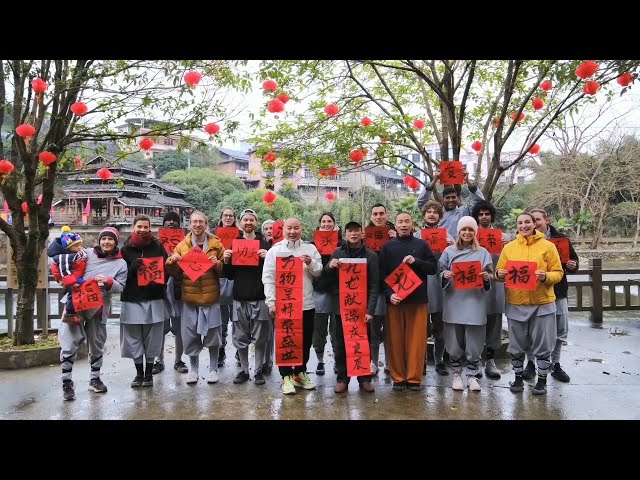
464 322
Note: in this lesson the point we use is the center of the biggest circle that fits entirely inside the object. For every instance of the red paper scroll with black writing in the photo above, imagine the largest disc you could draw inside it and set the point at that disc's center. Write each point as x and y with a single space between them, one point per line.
170 237
86 296
403 281
521 275
353 308
151 270
326 241
466 275
491 239
227 235
562 245
277 232
451 173
195 263
245 252
376 237
289 305
436 238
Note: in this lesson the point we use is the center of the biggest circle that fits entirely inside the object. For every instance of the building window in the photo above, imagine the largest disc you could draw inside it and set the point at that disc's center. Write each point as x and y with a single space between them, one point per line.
438 156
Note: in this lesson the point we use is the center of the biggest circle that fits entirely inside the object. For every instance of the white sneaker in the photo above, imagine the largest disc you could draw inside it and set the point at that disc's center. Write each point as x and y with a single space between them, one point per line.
457 382
213 377
374 368
287 385
192 377
472 383
302 380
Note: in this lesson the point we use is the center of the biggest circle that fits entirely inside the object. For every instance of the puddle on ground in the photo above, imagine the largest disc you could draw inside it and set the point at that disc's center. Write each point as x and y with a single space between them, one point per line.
596 360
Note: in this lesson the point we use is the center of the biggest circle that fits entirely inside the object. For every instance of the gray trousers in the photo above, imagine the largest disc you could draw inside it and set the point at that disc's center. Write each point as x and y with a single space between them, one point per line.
173 325
194 342
249 328
94 332
464 340
269 352
494 333
562 330
537 335
138 339
323 324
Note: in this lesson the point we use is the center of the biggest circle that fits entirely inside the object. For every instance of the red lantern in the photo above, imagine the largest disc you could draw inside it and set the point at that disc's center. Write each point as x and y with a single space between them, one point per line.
537 103
39 85
331 109
192 79
47 158
534 149
333 171
625 79
591 88
146 143
6 167
127 210
477 145
275 106
546 85
418 124
330 196
104 174
520 118
79 108
411 182
270 157
211 129
283 97
587 69
270 86
25 131
25 208
366 121
269 198
323 172
356 156
78 162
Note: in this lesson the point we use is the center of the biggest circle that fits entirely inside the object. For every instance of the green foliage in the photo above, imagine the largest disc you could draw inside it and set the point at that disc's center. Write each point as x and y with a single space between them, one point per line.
290 192
281 209
409 205
165 162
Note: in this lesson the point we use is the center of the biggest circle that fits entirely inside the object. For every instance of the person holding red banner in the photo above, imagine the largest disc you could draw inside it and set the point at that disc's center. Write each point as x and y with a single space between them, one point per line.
251 321
267 233
406 320
432 213
201 318
293 246
450 199
353 248
561 290
530 312
142 314
106 266
465 276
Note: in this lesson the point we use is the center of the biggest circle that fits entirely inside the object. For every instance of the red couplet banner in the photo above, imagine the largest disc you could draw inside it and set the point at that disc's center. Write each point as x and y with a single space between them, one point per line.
195 263
451 173
326 241
227 235
466 275
86 296
289 305
491 239
170 237
376 237
403 281
277 232
245 252
353 308
521 275
436 238
151 270
562 245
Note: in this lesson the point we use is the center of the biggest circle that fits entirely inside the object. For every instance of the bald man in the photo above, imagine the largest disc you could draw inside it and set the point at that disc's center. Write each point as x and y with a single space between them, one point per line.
293 245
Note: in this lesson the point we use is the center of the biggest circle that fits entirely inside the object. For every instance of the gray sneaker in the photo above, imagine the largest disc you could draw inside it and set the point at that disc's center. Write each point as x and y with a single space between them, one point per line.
491 370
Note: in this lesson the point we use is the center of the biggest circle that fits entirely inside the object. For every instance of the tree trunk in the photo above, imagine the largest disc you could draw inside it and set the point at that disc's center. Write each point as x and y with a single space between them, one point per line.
27 263
597 232
635 237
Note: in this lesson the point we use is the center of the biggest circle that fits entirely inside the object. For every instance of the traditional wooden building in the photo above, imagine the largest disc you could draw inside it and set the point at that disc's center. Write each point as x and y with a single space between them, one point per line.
132 191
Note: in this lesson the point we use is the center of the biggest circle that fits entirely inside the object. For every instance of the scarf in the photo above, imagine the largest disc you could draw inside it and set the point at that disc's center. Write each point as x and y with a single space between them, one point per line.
140 241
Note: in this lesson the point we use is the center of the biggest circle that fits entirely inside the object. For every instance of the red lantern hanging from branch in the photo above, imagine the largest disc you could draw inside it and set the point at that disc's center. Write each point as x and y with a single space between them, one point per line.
534 149
520 118
104 174
25 208
25 131
269 198
587 69
546 85
331 109
323 172
330 196
47 158
192 79
476 146
591 88
275 106
78 162
411 182
356 156
283 97
269 86
211 129
79 108
333 171
625 79
418 124
366 121
270 157
39 85
6 167
146 144
537 103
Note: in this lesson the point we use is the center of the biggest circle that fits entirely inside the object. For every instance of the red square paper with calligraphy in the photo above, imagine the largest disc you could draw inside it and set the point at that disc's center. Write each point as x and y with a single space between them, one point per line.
151 270
277 232
466 275
170 237
195 263
326 241
436 238
227 235
245 252
562 245
403 281
376 237
521 275
86 296
451 173
491 239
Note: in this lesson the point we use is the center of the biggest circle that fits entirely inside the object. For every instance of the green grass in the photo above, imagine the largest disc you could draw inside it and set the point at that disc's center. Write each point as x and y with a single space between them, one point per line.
6 343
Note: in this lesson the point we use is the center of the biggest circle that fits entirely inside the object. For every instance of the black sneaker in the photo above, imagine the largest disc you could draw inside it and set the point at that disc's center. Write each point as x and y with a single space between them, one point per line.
478 375
517 385
259 379
559 374
441 369
540 387
97 386
398 387
68 393
157 368
147 381
181 367
320 369
529 372
137 381
241 377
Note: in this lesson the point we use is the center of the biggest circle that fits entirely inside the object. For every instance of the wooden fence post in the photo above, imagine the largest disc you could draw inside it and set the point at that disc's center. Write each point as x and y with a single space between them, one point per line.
595 316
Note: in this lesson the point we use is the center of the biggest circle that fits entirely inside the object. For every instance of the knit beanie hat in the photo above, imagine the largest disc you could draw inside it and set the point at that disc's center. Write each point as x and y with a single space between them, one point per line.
171 216
69 238
109 232
467 222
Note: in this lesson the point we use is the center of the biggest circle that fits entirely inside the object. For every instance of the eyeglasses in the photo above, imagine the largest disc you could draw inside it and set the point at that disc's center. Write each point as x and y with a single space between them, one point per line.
228 215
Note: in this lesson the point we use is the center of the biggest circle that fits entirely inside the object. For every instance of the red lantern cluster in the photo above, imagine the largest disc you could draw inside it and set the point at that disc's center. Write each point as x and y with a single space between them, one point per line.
269 198
534 149
269 86
537 103
104 174
47 158
546 85
587 69
520 118
591 88
625 79
283 97
418 124
25 131
330 196
411 182
211 129
366 121
270 157
79 108
331 109
146 144
476 146
192 79
356 156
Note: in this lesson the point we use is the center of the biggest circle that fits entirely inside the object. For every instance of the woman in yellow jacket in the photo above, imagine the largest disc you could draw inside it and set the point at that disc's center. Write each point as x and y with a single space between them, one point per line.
530 313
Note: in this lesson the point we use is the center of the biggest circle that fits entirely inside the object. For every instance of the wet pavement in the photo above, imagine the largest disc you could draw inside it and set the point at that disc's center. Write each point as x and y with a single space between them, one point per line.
604 365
